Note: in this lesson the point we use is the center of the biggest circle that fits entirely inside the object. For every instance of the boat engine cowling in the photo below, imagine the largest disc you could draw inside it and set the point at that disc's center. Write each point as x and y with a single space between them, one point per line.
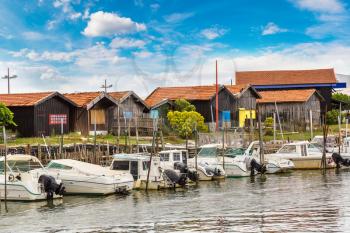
254 165
180 179
50 186
183 168
338 160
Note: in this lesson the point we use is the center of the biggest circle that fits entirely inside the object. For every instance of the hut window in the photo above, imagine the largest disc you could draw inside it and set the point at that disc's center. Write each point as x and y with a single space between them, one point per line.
100 116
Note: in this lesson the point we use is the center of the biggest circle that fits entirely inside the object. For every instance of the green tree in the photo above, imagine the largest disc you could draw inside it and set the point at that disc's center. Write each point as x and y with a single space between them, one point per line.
6 116
341 97
184 122
183 105
332 117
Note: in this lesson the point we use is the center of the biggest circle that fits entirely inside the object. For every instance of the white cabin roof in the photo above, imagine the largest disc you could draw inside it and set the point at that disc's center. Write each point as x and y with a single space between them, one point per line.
131 157
19 157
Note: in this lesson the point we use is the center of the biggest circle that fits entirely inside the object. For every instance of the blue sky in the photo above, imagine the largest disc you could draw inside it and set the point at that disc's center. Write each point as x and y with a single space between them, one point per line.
73 45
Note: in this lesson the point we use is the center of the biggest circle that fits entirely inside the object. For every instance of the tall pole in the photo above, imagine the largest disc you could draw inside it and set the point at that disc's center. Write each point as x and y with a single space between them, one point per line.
105 86
311 126
61 142
223 145
274 126
5 166
346 134
95 134
339 125
152 150
217 97
8 77
279 121
261 144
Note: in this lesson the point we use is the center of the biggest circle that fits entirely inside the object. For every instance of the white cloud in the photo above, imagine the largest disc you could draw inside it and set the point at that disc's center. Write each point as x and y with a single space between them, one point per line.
272 28
178 17
213 32
321 6
30 35
51 74
154 7
126 43
108 24
86 14
67 9
142 54
45 56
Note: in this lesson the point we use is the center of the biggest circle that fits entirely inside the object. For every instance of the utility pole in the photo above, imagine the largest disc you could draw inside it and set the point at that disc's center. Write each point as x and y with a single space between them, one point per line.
8 77
105 86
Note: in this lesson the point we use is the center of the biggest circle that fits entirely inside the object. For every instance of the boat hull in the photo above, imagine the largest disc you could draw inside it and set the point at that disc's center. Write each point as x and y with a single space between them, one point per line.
19 192
310 163
95 188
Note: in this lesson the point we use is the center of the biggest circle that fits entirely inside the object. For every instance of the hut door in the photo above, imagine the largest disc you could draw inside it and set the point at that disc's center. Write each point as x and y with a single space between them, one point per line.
100 117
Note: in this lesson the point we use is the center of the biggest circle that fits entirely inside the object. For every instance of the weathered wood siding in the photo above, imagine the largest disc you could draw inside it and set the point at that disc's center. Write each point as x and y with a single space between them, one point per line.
24 118
80 119
294 116
42 111
131 104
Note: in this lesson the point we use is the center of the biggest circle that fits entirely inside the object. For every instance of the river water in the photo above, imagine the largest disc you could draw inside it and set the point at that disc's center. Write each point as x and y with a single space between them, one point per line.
302 201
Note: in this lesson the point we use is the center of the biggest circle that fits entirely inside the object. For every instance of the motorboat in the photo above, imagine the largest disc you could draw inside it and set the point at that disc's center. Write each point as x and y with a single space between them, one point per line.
86 178
331 143
304 155
138 166
177 160
208 165
27 179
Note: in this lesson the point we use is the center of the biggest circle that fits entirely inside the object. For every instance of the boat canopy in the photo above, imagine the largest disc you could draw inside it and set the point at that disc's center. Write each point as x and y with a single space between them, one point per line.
20 163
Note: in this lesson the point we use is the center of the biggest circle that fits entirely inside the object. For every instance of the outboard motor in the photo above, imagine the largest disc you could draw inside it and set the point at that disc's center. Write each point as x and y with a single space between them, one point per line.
183 168
338 160
254 165
50 186
176 178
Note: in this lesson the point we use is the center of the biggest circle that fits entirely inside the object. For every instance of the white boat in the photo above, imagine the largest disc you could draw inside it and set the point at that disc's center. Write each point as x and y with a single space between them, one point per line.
86 178
303 154
27 180
209 165
138 164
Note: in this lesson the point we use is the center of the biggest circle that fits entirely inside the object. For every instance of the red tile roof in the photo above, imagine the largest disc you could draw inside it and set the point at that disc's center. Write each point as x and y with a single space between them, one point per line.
82 99
285 77
174 93
188 93
236 89
23 99
286 96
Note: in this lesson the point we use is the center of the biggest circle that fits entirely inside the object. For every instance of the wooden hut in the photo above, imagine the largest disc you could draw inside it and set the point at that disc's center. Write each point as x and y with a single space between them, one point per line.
38 114
92 107
323 80
231 100
293 107
131 114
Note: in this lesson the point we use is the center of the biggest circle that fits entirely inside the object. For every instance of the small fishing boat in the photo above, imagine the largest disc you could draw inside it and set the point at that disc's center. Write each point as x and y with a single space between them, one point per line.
86 178
27 180
303 154
209 166
139 164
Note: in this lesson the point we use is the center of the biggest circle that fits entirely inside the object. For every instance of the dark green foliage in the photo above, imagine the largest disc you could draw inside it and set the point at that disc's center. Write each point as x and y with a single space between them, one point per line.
182 105
6 116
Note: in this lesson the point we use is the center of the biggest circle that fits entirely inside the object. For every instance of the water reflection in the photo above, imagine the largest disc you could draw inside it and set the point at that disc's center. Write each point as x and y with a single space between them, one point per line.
299 202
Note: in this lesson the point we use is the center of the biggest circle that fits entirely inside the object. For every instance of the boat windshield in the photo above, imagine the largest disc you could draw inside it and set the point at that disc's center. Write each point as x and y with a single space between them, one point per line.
208 152
315 147
21 165
55 165
233 152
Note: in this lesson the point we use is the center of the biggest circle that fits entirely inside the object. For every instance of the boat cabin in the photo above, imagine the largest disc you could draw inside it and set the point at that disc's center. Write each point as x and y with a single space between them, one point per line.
209 150
173 156
20 163
299 149
137 165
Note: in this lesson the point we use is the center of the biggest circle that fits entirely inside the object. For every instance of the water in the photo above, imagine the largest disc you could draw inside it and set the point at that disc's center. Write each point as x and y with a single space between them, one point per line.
304 201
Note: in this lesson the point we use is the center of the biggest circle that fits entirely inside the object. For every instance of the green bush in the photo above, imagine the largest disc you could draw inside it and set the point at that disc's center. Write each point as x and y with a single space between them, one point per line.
268 123
332 117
